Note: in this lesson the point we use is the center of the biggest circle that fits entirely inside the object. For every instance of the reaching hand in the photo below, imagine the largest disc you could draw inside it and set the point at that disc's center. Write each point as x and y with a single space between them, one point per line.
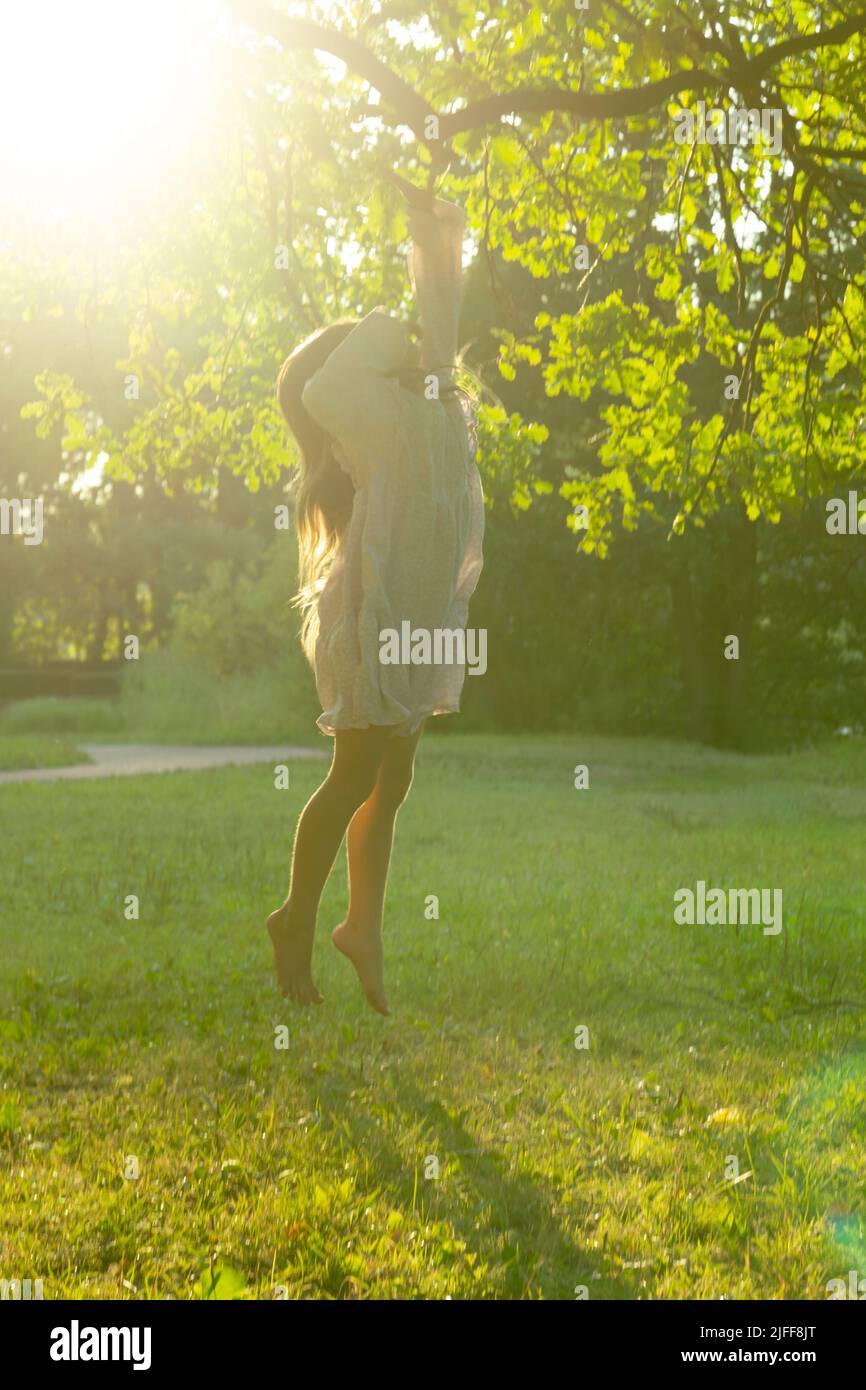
420 198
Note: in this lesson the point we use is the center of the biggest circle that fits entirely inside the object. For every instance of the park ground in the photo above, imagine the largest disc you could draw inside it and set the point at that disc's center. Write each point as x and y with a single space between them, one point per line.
707 1143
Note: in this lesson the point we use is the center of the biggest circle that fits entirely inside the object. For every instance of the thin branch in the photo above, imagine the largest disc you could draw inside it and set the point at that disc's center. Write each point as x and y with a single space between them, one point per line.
775 297
731 236
683 181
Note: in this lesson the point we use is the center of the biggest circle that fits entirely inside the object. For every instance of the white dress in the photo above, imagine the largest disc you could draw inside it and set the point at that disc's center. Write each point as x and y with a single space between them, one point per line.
412 551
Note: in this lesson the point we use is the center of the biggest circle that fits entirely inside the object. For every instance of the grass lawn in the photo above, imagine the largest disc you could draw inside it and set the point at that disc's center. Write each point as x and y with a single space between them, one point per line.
308 1168
18 751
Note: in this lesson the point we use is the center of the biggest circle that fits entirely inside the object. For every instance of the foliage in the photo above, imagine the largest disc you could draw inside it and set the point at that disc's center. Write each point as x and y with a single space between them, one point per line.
607 388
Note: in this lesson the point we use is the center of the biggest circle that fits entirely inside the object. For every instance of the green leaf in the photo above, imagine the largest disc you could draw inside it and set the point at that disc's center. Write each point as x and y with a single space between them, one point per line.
222 1284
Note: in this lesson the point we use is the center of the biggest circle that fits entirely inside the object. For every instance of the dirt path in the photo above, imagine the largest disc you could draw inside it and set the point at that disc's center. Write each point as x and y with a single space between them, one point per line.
134 759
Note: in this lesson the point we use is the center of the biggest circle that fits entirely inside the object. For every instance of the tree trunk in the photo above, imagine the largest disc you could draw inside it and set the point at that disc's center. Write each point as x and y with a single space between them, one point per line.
713 591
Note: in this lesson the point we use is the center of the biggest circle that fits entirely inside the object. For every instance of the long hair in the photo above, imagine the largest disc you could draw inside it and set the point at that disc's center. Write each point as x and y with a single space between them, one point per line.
324 492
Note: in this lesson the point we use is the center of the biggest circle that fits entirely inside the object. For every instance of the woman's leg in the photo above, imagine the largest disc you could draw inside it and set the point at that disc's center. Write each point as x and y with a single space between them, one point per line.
321 827
369 841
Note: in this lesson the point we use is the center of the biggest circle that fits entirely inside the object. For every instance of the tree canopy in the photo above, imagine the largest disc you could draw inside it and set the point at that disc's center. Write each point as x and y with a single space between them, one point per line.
668 326
557 127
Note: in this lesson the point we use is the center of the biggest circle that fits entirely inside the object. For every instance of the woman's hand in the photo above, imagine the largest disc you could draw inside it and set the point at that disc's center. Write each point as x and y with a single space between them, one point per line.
418 198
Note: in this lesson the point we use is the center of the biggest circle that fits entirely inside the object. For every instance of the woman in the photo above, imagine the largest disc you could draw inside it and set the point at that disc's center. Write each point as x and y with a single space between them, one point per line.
390 518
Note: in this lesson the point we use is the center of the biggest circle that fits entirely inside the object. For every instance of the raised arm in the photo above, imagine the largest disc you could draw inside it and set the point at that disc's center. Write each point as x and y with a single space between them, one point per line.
435 269
354 396
436 272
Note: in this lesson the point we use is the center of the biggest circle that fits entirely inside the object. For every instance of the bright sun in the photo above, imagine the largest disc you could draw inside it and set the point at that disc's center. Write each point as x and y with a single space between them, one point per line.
95 95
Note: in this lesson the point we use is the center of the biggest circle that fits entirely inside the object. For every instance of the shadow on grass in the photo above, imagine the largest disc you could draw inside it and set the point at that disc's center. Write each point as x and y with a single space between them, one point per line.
494 1205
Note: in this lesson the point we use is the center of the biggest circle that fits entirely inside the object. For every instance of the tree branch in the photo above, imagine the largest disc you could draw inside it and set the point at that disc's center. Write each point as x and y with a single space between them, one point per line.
804 43
412 109
589 106
293 32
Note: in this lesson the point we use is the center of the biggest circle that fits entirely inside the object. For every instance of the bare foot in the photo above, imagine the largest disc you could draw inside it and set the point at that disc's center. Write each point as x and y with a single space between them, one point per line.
365 953
293 951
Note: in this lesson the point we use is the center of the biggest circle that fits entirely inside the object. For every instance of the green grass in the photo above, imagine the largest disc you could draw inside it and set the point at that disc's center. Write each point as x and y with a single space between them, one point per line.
305 1167
167 698
83 717
18 751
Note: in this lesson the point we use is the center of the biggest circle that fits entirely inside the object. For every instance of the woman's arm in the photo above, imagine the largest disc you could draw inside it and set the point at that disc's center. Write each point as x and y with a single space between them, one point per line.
354 396
420 198
435 269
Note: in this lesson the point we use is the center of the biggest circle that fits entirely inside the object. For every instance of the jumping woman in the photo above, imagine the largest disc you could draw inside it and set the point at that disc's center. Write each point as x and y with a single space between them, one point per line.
390 519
